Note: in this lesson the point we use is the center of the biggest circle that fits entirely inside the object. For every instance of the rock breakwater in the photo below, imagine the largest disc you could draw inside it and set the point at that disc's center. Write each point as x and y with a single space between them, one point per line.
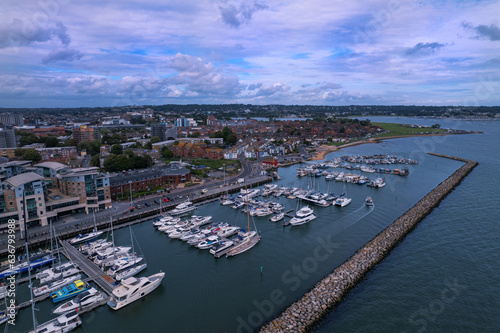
302 315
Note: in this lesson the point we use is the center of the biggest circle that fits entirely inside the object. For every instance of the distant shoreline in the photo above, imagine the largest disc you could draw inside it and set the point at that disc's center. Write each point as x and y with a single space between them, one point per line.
323 150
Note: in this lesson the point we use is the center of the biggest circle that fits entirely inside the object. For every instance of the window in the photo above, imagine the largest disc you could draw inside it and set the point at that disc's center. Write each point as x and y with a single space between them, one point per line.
40 205
11 203
12 209
10 196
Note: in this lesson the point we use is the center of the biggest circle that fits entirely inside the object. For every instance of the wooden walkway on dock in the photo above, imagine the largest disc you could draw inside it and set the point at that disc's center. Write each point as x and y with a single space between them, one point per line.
89 268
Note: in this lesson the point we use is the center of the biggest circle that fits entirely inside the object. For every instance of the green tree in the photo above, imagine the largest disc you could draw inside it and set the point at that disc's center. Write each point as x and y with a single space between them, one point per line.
155 139
148 145
70 143
167 153
51 141
95 161
32 155
18 152
116 149
129 152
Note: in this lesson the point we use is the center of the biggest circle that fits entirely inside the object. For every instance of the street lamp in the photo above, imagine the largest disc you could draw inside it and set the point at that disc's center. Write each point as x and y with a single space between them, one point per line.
130 184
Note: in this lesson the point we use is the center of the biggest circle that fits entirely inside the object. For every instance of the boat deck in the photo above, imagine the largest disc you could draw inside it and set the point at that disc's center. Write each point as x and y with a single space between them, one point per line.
89 268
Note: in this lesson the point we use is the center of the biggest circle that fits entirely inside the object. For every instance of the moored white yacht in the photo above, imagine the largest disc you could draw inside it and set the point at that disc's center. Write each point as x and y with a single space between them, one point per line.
342 201
63 323
61 271
304 211
82 238
48 288
86 298
132 289
122 275
183 208
302 220
277 217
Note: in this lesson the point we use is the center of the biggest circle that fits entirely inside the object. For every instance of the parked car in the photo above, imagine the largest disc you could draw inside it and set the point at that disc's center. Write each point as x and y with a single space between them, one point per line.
166 199
204 191
147 204
156 202
138 206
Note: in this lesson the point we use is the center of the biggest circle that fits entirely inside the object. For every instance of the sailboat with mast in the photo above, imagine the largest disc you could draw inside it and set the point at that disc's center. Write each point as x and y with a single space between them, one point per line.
82 238
248 239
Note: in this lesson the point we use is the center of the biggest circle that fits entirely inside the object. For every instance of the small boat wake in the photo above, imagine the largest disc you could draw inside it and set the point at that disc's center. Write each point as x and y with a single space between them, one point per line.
353 217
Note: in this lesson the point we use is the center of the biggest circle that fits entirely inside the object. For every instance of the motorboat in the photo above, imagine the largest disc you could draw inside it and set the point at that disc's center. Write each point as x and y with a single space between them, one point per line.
87 297
228 231
264 211
122 264
304 211
198 221
82 238
220 247
238 205
369 201
110 252
183 208
302 220
51 287
64 323
131 271
54 273
23 267
342 201
113 259
91 250
277 217
69 291
208 243
132 289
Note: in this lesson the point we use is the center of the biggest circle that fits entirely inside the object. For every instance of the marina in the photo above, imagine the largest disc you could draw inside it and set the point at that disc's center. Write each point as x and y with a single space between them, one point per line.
186 265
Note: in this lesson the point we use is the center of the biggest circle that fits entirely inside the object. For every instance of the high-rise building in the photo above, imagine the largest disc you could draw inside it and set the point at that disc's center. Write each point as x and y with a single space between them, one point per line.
7 138
85 133
163 131
11 119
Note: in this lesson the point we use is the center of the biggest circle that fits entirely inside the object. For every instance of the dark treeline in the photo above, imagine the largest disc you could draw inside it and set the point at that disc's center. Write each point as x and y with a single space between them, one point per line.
276 110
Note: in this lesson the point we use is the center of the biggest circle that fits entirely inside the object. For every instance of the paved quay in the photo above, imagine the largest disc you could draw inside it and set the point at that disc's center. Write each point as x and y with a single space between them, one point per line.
302 315
74 225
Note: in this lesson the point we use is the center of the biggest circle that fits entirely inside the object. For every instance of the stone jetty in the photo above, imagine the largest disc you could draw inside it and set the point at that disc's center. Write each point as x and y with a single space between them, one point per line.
302 315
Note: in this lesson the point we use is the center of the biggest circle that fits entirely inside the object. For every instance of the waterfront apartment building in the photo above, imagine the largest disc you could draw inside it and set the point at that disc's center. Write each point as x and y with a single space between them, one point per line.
51 190
85 133
141 181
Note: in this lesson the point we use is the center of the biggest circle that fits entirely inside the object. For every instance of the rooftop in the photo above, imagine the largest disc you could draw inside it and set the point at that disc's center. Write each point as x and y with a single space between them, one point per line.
24 178
52 165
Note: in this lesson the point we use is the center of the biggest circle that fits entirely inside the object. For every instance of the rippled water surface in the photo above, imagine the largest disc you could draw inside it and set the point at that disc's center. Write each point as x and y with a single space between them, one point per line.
457 244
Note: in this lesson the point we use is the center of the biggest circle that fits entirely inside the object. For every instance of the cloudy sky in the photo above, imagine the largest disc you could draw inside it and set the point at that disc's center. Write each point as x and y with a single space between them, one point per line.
68 53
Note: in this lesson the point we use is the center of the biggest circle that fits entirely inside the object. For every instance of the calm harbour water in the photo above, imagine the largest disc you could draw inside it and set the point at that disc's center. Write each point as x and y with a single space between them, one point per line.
457 245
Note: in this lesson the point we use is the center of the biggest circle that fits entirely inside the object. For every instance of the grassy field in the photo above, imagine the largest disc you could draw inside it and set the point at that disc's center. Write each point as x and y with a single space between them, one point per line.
395 129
